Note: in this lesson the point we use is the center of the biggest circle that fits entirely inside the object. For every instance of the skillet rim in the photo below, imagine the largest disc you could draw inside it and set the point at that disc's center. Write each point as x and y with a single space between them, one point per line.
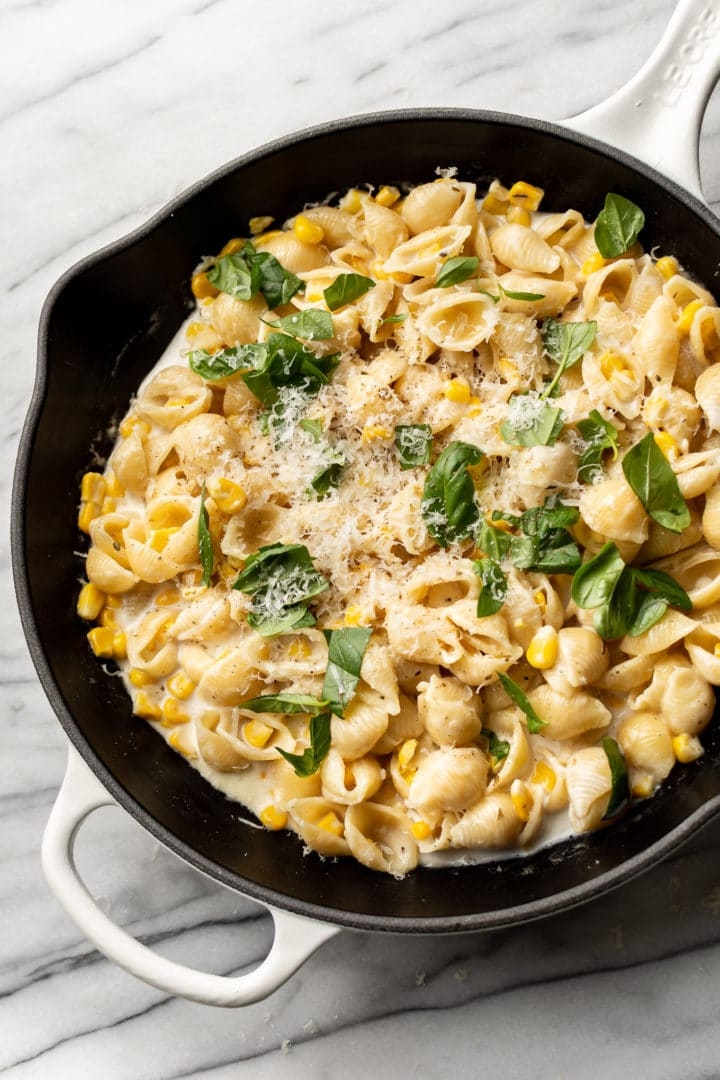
536 909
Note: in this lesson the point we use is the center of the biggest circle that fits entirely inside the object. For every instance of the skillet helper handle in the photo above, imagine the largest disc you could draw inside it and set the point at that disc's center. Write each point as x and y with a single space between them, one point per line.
296 938
657 115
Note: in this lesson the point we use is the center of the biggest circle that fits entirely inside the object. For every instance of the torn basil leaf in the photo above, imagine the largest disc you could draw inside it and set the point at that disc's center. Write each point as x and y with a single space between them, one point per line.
281 579
600 435
513 691
449 507
618 226
205 545
547 547
565 344
494 588
308 763
234 275
413 443
328 478
277 284
346 288
283 362
495 543
346 649
650 475
531 422
288 704
511 295
245 273
220 365
391 320
310 324
620 785
313 428
457 269
498 748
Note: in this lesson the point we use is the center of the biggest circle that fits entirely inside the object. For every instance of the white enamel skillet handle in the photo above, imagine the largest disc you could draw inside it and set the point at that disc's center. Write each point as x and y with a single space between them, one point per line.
656 117
296 938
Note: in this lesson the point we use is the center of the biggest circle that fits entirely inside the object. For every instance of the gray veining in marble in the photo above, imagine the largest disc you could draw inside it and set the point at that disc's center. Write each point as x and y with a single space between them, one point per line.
106 112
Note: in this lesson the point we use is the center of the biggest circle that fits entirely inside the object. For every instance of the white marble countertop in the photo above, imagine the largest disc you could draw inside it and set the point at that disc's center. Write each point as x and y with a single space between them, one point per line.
107 111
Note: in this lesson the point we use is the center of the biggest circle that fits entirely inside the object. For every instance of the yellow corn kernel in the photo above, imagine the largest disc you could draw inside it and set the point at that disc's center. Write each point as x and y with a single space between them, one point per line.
353 615
107 618
642 786
541 600
687 748
375 431
542 651
175 738
180 686
716 650
667 444
351 201
655 408
407 752
172 713
130 423
201 287
611 364
114 488
139 678
493 205
93 487
457 390
229 496
257 733
88 512
387 196
526 195
595 262
119 645
518 215
420 830
377 270
167 597
159 538
90 601
522 799
272 818
544 775
508 370
101 641
145 707
474 407
687 315
259 224
331 823
264 237
195 328
667 266
307 231
300 648
236 244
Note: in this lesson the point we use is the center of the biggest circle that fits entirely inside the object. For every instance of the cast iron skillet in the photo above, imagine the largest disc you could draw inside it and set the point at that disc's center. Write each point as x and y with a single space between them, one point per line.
104 325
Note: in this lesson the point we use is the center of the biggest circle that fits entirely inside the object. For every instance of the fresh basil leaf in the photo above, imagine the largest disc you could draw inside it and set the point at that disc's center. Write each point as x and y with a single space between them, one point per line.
495 543
288 704
283 362
205 544
495 299
545 555
600 435
666 586
521 295
596 579
313 428
565 344
281 579
345 289
551 516
494 587
457 269
310 324
513 691
649 609
277 284
531 422
620 785
392 319
413 443
449 507
346 649
221 365
649 474
234 275
327 479
498 748
613 619
618 226
308 763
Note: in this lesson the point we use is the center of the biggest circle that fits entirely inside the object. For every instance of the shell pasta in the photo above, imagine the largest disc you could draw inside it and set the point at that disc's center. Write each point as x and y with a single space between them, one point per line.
411 541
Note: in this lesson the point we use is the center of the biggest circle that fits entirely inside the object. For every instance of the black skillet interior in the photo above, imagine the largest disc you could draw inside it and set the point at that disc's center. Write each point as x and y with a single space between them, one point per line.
104 327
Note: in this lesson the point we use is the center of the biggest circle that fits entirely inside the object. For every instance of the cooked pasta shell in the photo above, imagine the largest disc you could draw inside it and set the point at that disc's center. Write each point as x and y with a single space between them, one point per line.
562 230
705 335
295 256
450 711
214 749
701 645
334 222
696 473
588 785
424 255
491 823
520 248
620 390
612 509
172 396
107 573
657 343
683 291
627 675
203 618
459 319
681 695
645 289
429 206
707 392
237 321
149 645
711 517
350 782
147 563
452 778
380 837
662 542
568 717
517 760
698 571
582 659
555 295
384 229
536 471
285 784
365 720
236 676
233 726
306 815
129 463
612 284
672 627
194 660
673 410
645 741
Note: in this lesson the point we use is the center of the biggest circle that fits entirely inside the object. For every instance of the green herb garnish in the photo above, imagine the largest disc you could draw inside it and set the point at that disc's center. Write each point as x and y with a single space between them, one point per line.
310 324
346 649
219 365
346 288
495 543
511 295
498 748
284 363
413 443
313 428
531 422
565 343
308 763
392 319
205 545
649 474
449 507
618 226
513 691
620 786
600 435
281 579
547 547
288 704
247 272
457 269
328 478
494 586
